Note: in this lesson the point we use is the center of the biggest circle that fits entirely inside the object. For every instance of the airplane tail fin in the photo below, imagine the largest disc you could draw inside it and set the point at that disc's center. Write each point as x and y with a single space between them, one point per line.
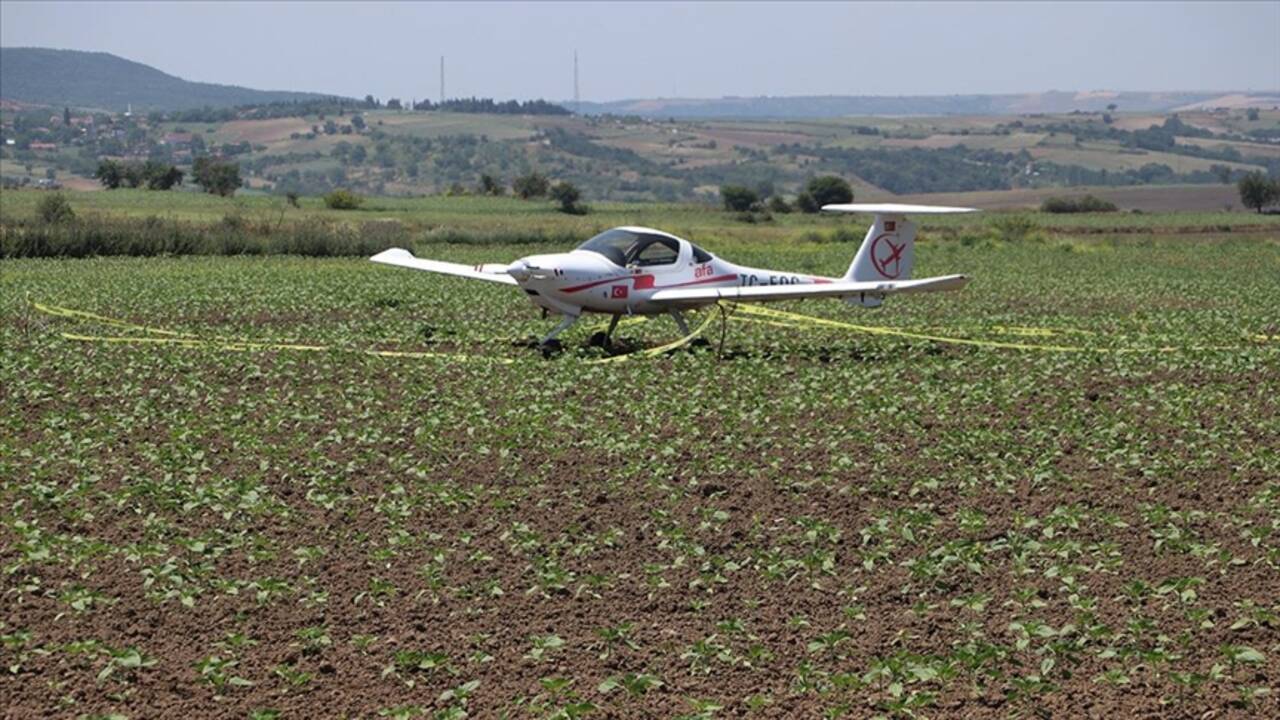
888 251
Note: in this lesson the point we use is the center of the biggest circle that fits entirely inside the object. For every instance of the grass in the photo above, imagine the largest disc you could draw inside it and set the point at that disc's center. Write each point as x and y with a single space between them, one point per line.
487 219
823 522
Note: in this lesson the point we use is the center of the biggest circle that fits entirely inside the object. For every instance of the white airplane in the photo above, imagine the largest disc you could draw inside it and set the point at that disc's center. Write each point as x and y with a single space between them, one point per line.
641 271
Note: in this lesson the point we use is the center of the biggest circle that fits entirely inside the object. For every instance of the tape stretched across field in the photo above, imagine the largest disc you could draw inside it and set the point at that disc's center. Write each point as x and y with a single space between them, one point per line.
740 312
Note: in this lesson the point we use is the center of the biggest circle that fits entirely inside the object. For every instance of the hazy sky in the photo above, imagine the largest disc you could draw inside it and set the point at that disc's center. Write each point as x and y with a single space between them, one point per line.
509 50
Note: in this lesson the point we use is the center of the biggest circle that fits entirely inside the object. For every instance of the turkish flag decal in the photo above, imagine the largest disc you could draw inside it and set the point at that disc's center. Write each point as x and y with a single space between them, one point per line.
890 225
618 292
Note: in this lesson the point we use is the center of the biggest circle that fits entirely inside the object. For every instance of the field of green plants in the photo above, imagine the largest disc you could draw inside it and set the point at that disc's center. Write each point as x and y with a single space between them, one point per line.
140 222
1065 503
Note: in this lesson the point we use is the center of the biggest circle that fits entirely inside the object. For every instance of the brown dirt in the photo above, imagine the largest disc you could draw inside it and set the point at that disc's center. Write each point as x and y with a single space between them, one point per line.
569 498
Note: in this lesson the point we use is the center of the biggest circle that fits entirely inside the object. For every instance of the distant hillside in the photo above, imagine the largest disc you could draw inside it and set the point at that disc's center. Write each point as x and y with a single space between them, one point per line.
820 106
104 81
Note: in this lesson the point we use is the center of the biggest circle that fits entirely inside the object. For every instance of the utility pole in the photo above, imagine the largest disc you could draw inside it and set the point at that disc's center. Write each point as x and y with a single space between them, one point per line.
441 79
577 102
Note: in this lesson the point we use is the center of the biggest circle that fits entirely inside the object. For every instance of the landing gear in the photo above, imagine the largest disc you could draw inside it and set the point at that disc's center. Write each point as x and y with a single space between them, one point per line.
604 339
680 323
549 344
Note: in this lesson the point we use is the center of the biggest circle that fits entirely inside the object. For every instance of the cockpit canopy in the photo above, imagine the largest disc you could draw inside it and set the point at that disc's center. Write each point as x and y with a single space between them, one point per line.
636 247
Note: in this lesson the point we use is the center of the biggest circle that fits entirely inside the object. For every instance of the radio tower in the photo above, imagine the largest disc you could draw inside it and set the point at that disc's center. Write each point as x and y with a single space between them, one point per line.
441 79
577 107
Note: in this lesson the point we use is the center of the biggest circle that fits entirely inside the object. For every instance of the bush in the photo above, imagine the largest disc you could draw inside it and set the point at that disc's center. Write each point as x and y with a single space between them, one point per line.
1088 203
828 190
806 204
233 235
489 185
342 200
738 198
54 209
568 195
779 204
1014 228
533 185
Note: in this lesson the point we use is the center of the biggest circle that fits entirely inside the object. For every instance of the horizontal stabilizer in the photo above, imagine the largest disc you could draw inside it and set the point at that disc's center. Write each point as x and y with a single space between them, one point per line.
767 293
895 209
489 272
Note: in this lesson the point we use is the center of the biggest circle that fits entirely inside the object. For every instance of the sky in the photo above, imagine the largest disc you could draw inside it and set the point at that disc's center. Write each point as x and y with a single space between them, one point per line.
639 50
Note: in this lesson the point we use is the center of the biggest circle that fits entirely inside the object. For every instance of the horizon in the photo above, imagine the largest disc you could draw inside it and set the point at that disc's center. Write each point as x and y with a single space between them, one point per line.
738 54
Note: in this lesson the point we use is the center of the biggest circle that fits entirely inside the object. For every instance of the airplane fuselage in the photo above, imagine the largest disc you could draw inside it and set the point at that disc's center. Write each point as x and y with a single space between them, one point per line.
584 281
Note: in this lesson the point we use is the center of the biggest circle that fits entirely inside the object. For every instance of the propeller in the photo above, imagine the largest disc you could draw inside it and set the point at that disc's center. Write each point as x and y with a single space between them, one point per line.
521 270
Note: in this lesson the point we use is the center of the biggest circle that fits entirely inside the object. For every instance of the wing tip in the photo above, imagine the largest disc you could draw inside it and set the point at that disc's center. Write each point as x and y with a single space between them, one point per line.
390 254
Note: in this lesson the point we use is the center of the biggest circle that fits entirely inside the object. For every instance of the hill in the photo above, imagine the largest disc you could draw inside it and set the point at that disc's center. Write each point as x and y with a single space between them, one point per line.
104 81
826 106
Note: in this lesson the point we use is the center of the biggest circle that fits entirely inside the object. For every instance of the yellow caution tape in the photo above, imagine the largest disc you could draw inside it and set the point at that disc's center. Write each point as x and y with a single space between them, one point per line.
878 330
651 352
751 313
56 311
192 342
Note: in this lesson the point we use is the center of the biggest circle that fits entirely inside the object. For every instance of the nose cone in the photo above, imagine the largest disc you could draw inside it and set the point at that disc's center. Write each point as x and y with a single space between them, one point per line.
519 270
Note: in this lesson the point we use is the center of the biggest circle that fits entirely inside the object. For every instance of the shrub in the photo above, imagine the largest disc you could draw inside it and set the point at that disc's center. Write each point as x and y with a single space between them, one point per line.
828 190
568 195
1013 228
1088 203
342 200
489 185
54 208
533 185
779 204
738 198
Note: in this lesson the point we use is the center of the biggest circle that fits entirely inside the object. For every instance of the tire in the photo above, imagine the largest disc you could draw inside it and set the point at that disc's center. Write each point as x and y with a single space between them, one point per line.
551 348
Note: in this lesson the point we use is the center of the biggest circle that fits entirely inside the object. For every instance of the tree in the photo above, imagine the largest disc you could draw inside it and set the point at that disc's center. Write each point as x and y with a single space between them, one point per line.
535 184
54 208
779 204
66 116
1256 191
827 190
159 176
805 203
489 185
1251 114
357 122
110 174
393 104
216 176
568 195
738 198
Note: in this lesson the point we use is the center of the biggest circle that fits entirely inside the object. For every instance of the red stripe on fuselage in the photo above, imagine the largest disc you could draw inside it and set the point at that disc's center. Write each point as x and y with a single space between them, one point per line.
645 282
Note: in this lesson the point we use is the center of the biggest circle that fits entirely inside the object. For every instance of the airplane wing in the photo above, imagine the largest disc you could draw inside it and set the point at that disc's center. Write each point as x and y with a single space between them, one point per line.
767 293
490 272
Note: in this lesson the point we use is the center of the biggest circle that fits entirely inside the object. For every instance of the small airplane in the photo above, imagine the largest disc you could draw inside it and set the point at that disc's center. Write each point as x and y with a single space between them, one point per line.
642 271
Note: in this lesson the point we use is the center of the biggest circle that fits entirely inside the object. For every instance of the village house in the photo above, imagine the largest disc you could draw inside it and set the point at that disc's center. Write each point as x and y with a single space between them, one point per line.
178 140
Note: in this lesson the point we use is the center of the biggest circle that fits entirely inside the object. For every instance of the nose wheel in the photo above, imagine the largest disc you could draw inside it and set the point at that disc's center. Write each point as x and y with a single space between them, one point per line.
549 345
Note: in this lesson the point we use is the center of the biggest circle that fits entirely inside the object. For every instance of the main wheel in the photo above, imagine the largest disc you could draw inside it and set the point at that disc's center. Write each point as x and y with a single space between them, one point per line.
551 348
599 339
